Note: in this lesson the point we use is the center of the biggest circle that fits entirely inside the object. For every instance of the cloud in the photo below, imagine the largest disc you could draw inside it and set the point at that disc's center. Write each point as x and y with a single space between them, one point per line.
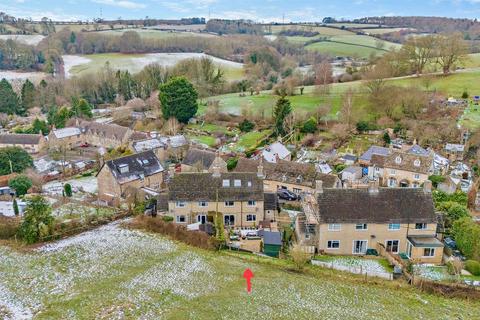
121 4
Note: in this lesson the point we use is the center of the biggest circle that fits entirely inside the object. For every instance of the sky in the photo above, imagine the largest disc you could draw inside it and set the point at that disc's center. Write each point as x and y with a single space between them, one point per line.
257 10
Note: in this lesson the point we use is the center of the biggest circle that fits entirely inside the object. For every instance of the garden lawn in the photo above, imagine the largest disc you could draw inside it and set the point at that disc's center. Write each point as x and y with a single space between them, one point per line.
251 139
115 273
206 140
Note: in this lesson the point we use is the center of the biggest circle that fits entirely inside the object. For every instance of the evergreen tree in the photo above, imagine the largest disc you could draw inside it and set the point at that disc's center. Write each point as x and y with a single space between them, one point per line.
28 95
81 108
73 37
8 98
126 84
20 184
39 126
14 159
67 190
178 98
37 221
15 207
280 113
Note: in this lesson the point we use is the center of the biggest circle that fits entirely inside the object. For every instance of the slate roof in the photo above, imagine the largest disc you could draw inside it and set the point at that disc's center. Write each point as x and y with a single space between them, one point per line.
367 156
147 144
66 132
20 138
425 241
140 165
270 201
349 157
204 187
288 171
454 147
416 149
107 130
272 238
388 205
407 162
270 153
174 141
194 156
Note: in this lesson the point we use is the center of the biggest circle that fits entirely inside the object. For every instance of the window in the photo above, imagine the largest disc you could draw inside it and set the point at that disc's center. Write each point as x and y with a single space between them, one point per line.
334 227
297 191
249 183
180 204
229 220
392 182
394 226
252 203
333 244
392 246
229 203
416 176
420 226
359 246
237 183
226 183
428 252
416 163
409 249
398 160
181 219
377 169
251 217
393 172
361 226
203 204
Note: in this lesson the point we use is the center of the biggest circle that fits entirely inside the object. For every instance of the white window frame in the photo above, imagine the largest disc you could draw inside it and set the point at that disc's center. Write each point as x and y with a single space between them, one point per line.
360 253
416 176
180 204
249 183
228 205
398 245
334 227
331 243
203 204
177 218
237 183
393 172
432 251
409 249
423 224
251 203
254 216
394 224
225 183
417 163
398 160
362 226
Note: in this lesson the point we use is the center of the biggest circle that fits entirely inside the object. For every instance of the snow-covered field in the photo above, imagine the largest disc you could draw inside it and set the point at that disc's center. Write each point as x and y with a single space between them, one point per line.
75 65
9 75
355 265
26 39
116 273
80 187
70 61
75 210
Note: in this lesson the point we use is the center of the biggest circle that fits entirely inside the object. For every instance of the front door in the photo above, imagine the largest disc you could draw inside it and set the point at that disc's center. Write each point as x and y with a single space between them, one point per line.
392 246
202 218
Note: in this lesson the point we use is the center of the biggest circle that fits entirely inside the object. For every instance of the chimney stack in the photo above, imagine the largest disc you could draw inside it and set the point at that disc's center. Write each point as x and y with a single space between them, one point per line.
318 186
372 186
427 186
260 173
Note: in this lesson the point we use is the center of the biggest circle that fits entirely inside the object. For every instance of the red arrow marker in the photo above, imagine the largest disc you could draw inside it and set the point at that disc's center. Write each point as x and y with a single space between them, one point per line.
248 275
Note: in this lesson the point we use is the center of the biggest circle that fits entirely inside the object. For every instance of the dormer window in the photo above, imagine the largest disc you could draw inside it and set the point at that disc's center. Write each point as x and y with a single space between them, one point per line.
237 183
249 183
416 163
123 168
226 183
398 160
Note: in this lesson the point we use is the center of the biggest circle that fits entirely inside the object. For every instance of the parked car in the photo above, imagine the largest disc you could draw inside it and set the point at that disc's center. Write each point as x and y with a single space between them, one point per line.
85 145
457 254
449 242
287 195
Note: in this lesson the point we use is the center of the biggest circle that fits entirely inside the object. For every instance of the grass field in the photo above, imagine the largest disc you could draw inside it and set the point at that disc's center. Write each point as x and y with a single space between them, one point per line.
114 273
87 64
308 102
384 30
324 31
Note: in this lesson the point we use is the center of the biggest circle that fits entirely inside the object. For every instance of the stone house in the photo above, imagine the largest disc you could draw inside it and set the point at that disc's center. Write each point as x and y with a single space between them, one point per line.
353 221
198 196
297 177
366 157
32 143
454 152
105 135
68 137
276 151
137 171
197 160
400 169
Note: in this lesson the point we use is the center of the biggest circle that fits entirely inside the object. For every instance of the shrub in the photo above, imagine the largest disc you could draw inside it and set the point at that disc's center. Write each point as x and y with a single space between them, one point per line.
465 94
8 227
167 218
232 163
473 267
67 189
467 236
246 126
436 180
20 184
363 126
37 221
299 257
309 126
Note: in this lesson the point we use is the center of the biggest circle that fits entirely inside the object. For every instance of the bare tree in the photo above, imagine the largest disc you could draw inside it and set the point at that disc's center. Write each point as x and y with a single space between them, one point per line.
324 76
419 51
346 114
450 50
